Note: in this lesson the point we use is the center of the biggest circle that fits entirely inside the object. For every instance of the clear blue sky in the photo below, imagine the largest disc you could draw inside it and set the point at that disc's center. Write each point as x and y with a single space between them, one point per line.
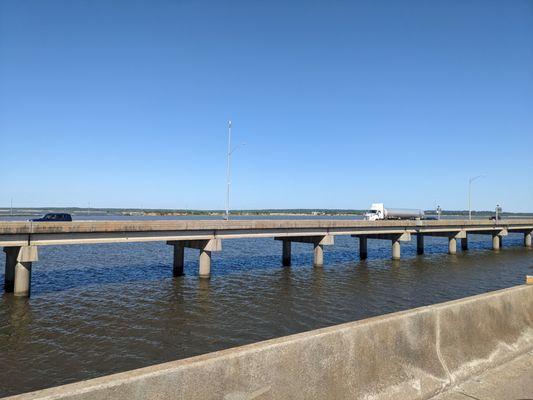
125 103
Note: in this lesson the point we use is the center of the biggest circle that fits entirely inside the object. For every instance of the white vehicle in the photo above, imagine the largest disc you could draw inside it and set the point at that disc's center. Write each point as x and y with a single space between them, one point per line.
378 212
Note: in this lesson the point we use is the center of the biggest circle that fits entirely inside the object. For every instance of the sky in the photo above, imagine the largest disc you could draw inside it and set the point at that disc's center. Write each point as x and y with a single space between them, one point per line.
339 104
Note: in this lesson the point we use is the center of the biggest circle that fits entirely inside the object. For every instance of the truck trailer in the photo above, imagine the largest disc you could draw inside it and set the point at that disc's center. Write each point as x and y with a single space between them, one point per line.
378 212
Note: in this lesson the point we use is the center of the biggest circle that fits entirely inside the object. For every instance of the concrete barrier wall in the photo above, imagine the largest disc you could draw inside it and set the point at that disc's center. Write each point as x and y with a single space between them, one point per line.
413 354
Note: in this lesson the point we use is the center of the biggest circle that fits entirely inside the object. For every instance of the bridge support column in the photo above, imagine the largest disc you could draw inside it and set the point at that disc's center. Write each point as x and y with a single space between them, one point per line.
286 256
318 255
395 238
11 262
464 243
420 244
396 250
205 264
317 241
495 242
527 239
396 247
25 256
363 247
205 247
179 260
452 237
496 233
452 245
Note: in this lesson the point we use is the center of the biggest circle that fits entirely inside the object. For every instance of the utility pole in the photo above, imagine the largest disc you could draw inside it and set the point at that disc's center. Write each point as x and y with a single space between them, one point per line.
228 172
470 194
498 212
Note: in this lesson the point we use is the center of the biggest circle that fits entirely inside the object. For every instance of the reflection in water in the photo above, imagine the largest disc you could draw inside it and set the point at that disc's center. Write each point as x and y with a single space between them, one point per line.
99 309
19 312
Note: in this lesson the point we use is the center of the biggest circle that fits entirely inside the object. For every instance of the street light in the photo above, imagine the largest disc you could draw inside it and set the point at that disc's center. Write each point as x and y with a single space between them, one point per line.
470 194
498 212
228 174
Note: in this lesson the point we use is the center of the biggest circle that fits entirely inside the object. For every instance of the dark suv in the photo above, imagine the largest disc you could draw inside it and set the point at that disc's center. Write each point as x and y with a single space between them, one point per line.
54 217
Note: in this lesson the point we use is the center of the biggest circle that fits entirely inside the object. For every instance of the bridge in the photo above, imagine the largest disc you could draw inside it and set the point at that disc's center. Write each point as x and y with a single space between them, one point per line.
21 240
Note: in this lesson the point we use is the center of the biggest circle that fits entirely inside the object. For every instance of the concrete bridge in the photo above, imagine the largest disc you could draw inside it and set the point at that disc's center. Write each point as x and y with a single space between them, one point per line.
21 239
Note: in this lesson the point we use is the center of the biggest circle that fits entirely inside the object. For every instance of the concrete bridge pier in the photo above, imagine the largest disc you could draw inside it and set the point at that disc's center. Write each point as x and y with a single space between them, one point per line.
452 245
18 269
451 236
205 247
11 262
204 269
395 238
419 244
317 241
179 258
363 247
464 243
396 246
527 239
452 241
286 256
497 238
495 242
318 255
396 250
497 233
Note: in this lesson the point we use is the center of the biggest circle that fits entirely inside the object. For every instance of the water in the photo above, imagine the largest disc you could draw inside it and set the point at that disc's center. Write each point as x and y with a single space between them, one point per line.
100 309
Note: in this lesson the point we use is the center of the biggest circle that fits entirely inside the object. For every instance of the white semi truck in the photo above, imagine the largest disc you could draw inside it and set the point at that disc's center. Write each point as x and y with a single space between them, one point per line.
378 212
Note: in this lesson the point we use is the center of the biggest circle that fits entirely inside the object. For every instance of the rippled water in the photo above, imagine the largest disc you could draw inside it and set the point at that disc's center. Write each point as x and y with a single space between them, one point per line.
99 309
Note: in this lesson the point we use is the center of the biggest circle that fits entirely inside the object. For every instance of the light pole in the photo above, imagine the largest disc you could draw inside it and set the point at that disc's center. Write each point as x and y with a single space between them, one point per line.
498 212
470 194
228 172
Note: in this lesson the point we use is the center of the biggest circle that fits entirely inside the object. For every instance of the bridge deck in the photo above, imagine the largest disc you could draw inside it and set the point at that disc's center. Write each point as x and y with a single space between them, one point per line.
78 232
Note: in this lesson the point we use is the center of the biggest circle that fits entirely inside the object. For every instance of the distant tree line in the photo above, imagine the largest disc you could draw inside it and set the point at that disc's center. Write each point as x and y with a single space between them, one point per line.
21 211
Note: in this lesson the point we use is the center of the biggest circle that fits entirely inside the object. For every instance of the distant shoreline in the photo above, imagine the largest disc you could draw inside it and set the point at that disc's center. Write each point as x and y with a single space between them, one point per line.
34 211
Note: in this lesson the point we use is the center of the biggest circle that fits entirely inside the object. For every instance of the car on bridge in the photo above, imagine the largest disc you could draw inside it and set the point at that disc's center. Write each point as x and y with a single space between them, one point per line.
54 217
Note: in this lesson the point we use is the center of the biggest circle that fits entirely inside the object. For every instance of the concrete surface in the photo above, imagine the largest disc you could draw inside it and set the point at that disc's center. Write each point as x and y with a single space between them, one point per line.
414 354
495 242
452 245
396 250
510 381
11 261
